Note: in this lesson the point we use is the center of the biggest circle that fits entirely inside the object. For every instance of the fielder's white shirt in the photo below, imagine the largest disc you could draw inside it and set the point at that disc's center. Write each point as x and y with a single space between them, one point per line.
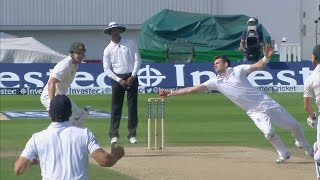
236 87
63 151
121 58
312 85
65 72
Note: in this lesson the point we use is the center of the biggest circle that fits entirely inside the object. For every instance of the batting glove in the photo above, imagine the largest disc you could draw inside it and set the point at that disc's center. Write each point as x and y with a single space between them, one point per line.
312 121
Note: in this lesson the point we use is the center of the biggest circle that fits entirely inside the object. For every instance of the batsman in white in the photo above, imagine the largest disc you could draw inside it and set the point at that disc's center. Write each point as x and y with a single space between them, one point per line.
62 149
312 89
263 110
60 79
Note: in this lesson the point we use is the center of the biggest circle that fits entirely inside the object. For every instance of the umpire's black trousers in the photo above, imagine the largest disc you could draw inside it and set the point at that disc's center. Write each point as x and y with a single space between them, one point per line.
118 93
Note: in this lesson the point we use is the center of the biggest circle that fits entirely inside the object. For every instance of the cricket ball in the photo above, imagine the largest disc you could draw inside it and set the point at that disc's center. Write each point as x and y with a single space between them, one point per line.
162 93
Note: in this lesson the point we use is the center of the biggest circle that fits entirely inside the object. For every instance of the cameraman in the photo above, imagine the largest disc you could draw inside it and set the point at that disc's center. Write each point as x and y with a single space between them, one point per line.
251 49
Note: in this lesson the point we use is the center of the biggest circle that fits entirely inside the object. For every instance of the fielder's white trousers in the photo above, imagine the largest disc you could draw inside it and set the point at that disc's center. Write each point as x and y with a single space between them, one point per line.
317 144
78 115
316 147
266 117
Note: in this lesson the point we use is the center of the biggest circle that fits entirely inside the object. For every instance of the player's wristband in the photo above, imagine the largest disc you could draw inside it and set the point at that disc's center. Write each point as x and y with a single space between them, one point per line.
265 59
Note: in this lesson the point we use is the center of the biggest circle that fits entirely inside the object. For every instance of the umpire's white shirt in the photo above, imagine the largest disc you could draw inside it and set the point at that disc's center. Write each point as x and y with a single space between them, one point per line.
63 151
122 58
312 85
239 90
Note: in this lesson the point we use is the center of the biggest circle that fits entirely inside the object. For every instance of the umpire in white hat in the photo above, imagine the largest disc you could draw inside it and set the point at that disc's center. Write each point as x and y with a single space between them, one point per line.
121 62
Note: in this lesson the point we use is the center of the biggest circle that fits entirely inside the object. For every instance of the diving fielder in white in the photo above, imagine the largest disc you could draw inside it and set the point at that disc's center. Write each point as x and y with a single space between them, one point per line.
312 89
233 83
60 79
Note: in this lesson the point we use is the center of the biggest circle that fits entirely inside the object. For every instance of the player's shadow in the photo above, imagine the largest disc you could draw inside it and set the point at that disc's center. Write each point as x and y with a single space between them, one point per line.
304 162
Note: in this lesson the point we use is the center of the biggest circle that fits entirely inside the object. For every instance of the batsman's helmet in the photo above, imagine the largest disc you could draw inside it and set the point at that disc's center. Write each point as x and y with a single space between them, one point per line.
77 47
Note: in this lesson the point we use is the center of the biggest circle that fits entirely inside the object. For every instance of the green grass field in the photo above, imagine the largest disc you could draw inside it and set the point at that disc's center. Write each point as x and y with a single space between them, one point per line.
196 120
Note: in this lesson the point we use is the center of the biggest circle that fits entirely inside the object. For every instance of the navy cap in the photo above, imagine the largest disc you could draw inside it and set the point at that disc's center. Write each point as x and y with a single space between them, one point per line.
60 108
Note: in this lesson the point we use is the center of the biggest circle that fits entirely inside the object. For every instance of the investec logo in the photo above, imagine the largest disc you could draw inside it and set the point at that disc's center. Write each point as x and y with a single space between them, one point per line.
152 76
30 91
164 75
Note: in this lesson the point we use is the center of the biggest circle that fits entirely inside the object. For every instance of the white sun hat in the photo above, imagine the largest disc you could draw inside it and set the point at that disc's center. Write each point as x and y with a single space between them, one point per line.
114 25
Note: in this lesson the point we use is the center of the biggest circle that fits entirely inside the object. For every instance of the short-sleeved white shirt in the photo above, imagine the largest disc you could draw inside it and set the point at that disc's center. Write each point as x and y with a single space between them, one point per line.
62 150
236 87
312 85
65 72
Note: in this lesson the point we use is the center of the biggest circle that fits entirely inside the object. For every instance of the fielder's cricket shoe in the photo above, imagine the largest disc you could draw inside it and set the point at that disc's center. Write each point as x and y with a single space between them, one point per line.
282 159
133 140
307 148
114 140
315 147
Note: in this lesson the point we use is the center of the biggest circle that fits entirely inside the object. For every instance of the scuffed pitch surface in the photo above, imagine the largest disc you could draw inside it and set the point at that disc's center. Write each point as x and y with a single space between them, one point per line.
218 163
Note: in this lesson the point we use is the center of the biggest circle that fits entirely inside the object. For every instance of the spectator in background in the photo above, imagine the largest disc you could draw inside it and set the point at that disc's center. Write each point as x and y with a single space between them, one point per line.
62 149
121 62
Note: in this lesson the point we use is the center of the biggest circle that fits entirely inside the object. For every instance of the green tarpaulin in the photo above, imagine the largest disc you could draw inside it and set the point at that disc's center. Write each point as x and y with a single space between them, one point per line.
210 35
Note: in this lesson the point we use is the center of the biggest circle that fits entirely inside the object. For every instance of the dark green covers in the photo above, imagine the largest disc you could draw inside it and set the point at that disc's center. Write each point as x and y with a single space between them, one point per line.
210 35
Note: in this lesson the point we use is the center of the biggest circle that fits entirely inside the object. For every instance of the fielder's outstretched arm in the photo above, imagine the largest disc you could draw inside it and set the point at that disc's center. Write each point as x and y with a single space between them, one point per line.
267 52
184 91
